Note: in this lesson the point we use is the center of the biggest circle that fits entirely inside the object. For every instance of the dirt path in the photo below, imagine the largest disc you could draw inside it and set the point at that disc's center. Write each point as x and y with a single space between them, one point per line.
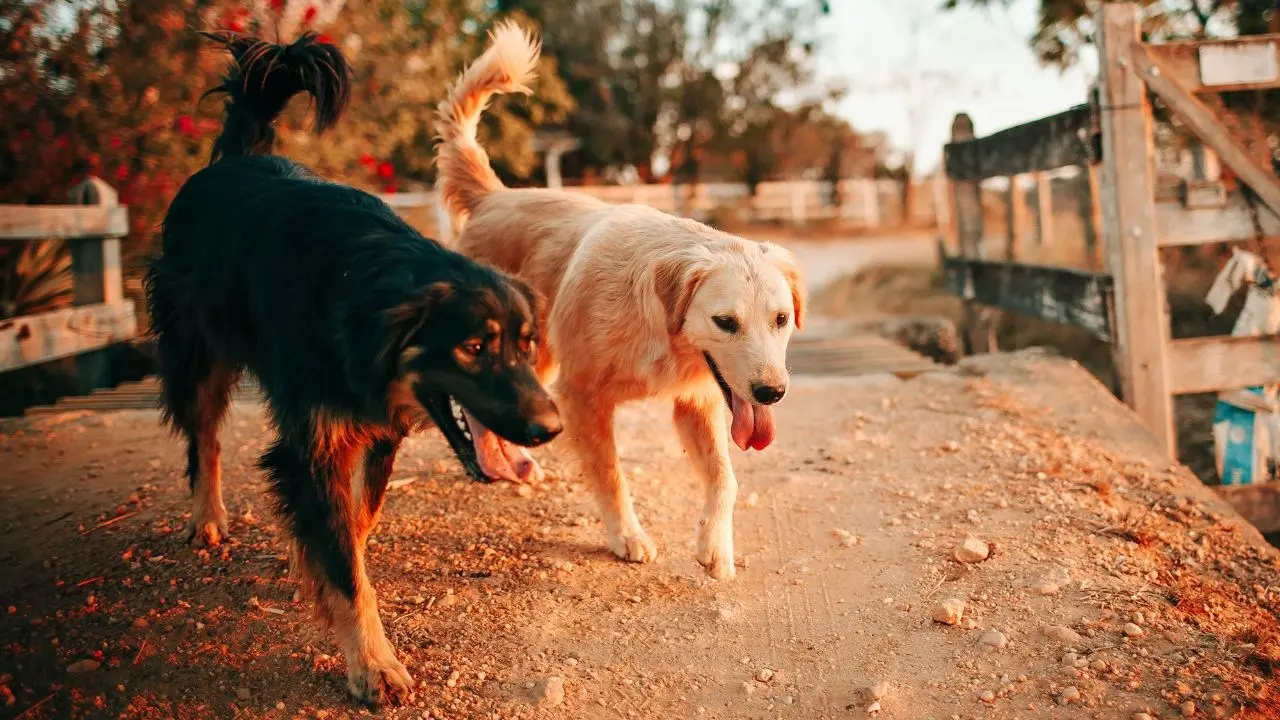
489 591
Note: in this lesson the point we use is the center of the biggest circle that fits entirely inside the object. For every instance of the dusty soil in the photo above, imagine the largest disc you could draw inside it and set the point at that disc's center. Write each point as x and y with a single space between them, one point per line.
846 527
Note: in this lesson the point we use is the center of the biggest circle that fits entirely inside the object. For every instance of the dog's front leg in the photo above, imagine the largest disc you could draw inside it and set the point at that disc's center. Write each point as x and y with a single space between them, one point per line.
331 503
701 425
589 423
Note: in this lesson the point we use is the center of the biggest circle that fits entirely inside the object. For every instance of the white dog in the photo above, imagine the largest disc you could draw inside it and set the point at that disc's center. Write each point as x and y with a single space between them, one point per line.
640 304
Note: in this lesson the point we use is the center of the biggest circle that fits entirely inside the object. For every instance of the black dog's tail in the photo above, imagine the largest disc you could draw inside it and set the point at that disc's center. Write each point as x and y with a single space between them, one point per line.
263 78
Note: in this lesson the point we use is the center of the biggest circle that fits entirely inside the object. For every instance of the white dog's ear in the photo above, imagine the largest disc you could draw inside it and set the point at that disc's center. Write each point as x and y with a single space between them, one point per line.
785 261
675 282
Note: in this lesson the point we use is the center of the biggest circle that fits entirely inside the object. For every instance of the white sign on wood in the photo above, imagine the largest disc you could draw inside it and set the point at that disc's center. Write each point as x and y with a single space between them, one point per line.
1238 64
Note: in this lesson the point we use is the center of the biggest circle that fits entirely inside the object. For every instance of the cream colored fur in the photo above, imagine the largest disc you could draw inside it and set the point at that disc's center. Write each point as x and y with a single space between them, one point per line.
633 294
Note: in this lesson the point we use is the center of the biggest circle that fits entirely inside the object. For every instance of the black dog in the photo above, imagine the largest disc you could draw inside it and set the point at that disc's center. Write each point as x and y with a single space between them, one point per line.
357 328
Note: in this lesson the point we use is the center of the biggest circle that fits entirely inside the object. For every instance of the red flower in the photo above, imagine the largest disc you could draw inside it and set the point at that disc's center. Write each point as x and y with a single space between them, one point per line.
277 4
185 125
114 141
309 15
368 161
386 171
322 38
122 173
61 142
389 188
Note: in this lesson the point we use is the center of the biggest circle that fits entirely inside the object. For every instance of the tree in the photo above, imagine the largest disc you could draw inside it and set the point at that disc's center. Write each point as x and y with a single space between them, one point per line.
1065 27
674 76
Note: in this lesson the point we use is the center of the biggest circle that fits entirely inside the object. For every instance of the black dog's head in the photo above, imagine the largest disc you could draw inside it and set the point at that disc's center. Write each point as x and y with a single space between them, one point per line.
474 342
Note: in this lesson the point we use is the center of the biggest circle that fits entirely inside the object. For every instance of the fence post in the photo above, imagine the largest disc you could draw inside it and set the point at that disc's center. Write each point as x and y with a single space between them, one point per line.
941 203
870 188
96 278
1016 210
1044 209
966 201
1128 227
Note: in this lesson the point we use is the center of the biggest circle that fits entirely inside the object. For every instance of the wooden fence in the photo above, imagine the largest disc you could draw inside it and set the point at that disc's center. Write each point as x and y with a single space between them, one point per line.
100 315
1110 140
862 203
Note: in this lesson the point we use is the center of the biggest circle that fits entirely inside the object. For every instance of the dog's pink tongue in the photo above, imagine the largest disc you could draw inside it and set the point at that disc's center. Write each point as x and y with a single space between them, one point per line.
752 424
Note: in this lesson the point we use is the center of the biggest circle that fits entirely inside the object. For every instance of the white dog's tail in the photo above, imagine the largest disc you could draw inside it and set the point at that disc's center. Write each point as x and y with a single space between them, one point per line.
464 173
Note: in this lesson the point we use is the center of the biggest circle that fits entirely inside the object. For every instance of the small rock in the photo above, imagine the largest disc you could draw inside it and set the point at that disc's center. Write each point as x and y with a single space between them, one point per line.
1069 695
1138 617
845 537
971 550
1061 633
1142 716
1133 631
994 638
878 690
1187 708
1069 659
949 612
243 694
987 696
873 708
748 687
765 675
280 705
141 624
83 666
549 692
751 500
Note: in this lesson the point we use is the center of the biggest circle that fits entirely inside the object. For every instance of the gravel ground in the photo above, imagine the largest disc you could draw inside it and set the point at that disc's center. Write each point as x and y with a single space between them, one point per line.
999 540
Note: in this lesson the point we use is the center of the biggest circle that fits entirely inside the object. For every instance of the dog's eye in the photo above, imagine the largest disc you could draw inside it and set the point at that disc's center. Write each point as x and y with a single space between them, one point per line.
726 323
781 320
472 348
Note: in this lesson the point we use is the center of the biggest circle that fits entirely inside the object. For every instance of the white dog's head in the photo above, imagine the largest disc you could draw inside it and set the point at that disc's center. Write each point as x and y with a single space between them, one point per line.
738 304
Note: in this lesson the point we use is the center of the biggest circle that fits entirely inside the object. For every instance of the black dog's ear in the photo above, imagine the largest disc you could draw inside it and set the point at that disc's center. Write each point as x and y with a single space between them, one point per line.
405 320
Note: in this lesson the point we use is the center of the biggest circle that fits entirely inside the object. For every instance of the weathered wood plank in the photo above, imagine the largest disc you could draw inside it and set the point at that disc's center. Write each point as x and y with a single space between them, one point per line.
65 222
1068 138
1245 63
1060 295
34 339
1129 227
1223 363
1178 225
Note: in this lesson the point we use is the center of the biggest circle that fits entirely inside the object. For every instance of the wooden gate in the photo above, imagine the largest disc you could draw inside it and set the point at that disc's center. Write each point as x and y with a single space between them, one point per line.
1127 303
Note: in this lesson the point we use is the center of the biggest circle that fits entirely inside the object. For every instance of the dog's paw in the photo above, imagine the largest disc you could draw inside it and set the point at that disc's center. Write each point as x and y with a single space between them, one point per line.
208 527
380 681
633 545
715 553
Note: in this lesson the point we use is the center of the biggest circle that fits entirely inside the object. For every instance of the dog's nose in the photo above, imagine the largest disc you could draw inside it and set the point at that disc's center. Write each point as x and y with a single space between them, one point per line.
768 394
544 428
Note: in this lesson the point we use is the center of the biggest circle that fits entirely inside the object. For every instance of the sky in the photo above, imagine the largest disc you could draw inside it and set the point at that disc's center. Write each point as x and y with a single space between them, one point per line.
972 60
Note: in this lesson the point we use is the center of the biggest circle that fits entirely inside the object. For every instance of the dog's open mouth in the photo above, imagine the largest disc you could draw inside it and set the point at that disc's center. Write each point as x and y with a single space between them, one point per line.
452 422
752 424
